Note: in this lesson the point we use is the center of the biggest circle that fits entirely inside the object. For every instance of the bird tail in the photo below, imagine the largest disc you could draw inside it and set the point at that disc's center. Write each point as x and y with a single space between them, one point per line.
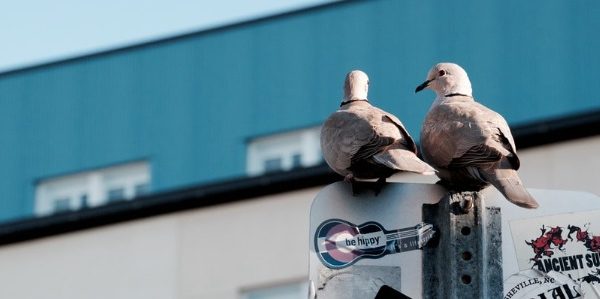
404 160
507 181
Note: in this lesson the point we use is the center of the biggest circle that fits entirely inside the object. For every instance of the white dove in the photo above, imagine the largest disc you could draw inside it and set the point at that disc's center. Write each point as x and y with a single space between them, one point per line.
470 145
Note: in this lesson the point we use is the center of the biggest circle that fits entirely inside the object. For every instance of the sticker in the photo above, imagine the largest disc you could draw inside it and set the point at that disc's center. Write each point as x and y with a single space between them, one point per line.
357 282
530 284
339 243
568 243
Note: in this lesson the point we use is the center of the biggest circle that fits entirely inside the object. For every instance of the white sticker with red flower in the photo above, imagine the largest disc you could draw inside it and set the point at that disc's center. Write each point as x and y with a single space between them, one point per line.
567 243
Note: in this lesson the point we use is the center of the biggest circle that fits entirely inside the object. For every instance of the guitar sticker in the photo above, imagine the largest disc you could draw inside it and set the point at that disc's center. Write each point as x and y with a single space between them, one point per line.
339 243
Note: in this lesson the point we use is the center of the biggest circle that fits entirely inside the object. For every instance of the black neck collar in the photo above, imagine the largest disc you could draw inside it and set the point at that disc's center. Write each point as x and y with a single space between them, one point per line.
457 94
352 101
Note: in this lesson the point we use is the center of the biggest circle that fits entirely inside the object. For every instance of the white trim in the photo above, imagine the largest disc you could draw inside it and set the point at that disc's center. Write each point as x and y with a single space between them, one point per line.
284 146
93 184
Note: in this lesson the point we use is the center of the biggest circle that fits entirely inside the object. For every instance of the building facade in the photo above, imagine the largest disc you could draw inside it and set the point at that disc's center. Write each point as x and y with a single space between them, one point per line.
149 168
188 108
239 240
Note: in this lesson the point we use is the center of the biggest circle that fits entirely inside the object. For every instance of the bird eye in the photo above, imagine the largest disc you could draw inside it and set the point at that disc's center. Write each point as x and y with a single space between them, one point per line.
442 73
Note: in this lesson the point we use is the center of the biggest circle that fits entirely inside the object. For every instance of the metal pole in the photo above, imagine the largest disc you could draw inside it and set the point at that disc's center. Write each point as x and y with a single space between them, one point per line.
464 260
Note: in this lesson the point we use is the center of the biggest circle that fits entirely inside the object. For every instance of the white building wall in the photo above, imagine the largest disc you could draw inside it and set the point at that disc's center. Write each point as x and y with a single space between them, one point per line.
220 251
130 260
572 165
207 253
225 249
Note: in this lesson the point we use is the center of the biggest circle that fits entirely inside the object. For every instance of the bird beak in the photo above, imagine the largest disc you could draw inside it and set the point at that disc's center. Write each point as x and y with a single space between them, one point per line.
423 86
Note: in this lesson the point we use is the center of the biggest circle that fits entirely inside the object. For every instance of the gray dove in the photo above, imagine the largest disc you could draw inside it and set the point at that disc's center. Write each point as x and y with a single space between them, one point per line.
360 141
470 145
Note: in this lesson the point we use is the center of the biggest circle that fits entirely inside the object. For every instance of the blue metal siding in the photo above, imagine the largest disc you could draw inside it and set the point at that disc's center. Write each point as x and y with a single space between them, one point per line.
189 104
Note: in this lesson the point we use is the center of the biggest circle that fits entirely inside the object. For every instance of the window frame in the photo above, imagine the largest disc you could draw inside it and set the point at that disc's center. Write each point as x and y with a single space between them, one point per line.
304 143
93 184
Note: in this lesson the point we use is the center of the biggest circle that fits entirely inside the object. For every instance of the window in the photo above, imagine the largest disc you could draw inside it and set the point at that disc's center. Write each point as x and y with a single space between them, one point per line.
284 151
296 160
61 205
272 165
92 188
298 290
141 189
115 194
83 199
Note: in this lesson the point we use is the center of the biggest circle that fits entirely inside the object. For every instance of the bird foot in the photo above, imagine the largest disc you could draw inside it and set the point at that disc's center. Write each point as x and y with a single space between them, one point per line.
446 184
379 186
349 178
358 187
353 183
461 202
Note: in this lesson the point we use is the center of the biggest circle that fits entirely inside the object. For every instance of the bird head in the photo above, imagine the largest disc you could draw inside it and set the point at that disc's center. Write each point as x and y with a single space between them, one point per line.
447 78
356 86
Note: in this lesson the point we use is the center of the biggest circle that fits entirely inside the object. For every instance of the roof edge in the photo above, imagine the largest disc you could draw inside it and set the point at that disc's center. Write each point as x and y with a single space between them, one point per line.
174 38
557 129
161 203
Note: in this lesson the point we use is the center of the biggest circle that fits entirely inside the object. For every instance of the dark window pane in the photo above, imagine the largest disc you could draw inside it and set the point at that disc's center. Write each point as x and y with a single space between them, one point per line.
62 205
272 165
297 160
141 189
84 201
116 194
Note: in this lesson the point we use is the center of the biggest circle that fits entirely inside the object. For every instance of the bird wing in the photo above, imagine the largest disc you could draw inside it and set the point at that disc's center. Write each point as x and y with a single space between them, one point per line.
361 132
475 136
348 135
405 139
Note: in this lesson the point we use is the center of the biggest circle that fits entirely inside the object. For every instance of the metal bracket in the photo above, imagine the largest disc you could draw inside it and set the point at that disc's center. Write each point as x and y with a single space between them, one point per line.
464 259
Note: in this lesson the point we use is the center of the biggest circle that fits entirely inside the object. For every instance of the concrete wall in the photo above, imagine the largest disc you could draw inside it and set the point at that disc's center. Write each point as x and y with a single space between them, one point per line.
206 253
216 252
